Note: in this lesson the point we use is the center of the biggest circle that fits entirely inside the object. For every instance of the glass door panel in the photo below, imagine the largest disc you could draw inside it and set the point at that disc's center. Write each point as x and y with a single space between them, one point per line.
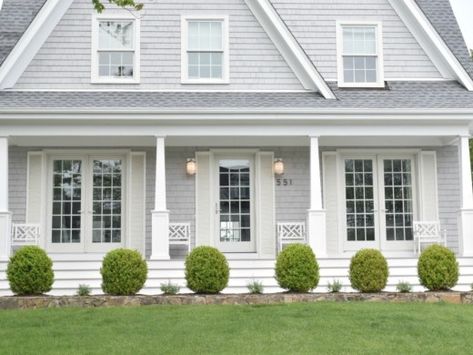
107 201
234 206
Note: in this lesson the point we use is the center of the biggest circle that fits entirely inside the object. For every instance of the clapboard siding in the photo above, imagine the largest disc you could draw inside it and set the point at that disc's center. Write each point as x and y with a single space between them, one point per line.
313 23
64 61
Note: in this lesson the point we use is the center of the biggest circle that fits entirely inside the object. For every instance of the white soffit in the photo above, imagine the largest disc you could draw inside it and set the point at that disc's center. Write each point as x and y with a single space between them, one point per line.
431 42
289 48
31 41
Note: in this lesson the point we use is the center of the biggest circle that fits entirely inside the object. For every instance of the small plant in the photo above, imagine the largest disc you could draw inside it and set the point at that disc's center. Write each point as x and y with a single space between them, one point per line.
297 269
404 287
124 272
438 268
30 271
207 270
255 287
334 287
83 290
170 288
368 271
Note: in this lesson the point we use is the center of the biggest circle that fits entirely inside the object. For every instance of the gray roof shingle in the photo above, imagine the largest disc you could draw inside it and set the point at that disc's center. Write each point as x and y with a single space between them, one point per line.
442 17
399 95
15 17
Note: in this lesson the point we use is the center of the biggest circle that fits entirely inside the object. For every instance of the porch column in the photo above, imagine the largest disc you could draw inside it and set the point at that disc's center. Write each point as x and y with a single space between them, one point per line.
5 215
160 215
466 211
316 214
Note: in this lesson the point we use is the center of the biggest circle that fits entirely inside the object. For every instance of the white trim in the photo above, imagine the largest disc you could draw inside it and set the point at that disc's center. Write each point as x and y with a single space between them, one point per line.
379 54
94 69
289 48
31 41
429 39
224 19
1 4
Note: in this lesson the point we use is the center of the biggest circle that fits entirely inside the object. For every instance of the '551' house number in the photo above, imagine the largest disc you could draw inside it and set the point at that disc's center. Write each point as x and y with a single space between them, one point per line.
283 182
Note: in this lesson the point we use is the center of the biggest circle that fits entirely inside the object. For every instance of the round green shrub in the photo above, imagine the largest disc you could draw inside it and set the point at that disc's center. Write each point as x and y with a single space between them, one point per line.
30 271
297 269
368 271
207 270
123 272
437 268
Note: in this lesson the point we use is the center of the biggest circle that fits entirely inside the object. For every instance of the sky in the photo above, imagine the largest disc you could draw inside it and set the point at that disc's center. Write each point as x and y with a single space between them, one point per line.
464 13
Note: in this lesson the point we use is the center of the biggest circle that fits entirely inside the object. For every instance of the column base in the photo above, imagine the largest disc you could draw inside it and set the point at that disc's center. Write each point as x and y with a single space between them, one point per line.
5 235
465 223
160 235
316 232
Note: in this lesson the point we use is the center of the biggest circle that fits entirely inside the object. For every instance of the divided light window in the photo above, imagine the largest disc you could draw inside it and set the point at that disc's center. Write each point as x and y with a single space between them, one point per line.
360 55
116 50
205 59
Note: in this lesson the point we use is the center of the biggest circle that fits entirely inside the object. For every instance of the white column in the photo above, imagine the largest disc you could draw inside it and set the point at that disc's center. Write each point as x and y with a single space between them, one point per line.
465 217
160 215
5 215
316 214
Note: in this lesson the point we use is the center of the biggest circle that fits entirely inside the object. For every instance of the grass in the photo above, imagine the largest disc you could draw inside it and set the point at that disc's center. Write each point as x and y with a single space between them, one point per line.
323 328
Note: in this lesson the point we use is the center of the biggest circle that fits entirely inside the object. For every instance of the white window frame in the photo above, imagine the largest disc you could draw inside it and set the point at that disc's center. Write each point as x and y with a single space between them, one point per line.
95 77
379 54
184 50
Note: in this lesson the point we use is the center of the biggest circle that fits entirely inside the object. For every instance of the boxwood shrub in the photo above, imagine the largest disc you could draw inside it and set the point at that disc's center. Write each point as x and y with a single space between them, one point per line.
437 268
207 270
368 271
124 272
297 269
30 271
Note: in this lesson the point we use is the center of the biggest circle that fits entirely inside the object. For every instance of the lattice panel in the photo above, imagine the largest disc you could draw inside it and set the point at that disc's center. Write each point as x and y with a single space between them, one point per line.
179 231
25 234
288 231
427 229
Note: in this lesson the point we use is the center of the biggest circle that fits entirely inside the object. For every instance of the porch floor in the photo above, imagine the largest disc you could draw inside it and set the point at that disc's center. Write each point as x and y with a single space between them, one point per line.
70 272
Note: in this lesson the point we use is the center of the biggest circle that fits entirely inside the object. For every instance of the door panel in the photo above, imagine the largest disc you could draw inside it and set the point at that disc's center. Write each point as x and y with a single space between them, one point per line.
234 206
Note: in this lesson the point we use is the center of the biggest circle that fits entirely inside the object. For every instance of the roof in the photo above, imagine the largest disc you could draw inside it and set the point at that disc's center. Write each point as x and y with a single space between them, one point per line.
398 95
15 17
442 17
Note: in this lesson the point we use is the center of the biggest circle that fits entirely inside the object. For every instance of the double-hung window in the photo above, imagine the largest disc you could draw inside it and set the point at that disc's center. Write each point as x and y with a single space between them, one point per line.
360 58
115 49
205 50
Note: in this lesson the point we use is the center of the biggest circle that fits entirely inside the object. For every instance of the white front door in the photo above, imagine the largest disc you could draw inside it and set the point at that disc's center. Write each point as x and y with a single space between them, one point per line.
85 205
234 206
379 202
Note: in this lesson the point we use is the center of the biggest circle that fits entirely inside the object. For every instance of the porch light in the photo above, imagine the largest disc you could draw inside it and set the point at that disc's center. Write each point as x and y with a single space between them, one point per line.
279 166
191 167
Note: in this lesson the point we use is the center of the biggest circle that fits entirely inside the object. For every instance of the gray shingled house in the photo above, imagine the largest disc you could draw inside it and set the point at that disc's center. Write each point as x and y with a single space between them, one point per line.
241 124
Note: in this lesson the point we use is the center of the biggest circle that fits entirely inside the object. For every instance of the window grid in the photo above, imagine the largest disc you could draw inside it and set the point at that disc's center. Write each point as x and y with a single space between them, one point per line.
116 53
359 194
235 208
205 50
107 201
398 199
67 201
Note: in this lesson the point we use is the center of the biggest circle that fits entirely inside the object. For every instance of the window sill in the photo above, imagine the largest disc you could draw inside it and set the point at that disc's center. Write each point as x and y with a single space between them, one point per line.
116 81
204 82
380 85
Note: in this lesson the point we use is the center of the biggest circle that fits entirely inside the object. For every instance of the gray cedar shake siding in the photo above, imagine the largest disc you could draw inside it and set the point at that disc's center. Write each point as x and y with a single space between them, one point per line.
292 201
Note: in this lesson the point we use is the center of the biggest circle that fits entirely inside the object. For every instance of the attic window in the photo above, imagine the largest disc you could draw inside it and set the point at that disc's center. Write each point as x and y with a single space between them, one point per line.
205 50
115 50
360 60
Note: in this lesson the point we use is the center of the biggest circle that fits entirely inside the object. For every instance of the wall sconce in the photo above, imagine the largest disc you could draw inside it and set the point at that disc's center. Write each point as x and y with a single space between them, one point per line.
278 166
191 167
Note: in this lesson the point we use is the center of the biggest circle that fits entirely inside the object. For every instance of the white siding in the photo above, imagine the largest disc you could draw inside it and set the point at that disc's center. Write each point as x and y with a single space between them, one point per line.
313 24
65 59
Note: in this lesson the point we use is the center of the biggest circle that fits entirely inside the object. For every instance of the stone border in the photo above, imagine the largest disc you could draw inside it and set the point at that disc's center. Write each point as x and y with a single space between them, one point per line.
34 302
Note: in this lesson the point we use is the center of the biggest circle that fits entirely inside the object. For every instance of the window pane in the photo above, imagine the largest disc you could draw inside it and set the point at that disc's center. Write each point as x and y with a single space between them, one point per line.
116 64
115 34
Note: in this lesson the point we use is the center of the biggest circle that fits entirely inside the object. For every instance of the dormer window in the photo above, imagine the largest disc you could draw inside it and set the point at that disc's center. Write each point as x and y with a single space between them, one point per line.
205 50
360 59
115 50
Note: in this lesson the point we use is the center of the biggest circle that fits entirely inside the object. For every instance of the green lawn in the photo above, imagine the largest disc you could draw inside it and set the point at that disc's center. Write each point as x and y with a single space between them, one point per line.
335 328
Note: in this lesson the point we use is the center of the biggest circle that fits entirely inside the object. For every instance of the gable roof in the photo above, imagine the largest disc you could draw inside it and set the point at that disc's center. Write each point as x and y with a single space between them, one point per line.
15 17
442 17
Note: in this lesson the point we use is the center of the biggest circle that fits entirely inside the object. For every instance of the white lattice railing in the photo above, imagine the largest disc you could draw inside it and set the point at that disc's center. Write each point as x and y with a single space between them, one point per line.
290 232
25 234
428 232
180 234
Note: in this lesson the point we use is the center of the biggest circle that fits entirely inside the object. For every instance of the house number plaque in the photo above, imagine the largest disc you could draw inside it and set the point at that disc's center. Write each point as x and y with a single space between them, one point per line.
283 182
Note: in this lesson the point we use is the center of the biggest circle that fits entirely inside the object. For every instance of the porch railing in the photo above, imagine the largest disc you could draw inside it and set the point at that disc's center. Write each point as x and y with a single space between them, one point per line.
25 234
291 232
